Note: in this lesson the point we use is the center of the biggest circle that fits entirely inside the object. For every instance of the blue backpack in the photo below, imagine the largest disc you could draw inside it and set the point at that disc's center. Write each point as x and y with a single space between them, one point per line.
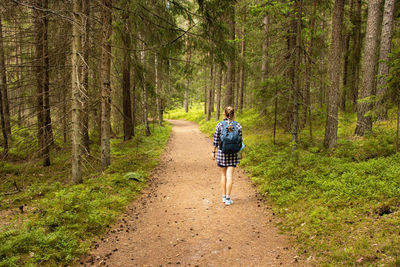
231 141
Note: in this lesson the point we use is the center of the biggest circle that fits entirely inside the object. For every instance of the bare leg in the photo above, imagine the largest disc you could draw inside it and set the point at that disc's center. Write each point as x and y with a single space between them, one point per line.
223 180
229 176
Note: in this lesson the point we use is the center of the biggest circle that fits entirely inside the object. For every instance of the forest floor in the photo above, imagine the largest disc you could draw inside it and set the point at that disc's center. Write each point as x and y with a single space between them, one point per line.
181 220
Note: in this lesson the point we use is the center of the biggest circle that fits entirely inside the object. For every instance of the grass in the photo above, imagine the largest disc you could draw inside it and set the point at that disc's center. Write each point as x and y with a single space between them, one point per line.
63 219
342 205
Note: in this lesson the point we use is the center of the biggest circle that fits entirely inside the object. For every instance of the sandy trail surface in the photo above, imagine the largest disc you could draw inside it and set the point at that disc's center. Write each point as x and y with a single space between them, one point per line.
180 219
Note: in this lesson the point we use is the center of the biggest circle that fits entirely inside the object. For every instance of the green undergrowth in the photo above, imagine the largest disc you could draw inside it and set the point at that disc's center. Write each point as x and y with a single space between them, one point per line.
341 205
64 219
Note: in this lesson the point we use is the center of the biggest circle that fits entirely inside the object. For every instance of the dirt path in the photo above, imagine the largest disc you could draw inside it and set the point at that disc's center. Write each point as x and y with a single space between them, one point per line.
181 219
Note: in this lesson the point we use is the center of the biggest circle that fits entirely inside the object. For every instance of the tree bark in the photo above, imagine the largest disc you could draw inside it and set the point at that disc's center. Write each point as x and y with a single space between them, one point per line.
383 68
64 117
3 127
291 73
40 23
47 110
212 87
242 65
105 82
77 87
186 96
310 53
237 82
134 86
265 45
344 89
18 73
133 105
85 74
158 89
229 97
322 67
355 56
5 119
275 113
210 94
144 91
264 64
205 90
126 78
364 120
296 85
331 125
397 124
218 108
187 70
3 84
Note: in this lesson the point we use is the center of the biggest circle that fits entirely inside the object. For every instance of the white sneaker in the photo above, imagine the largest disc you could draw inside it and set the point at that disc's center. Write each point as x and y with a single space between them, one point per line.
228 201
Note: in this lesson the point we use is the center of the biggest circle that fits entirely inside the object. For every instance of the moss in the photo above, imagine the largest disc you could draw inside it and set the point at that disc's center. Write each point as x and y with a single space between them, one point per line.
67 217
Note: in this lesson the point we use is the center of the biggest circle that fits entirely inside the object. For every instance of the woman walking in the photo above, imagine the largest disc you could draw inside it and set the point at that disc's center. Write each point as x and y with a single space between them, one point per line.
227 158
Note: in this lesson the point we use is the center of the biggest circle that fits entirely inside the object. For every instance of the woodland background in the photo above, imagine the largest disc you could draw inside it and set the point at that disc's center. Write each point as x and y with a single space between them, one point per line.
85 86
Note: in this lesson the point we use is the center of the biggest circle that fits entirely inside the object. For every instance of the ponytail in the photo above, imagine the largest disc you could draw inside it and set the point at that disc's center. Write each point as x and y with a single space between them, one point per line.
230 114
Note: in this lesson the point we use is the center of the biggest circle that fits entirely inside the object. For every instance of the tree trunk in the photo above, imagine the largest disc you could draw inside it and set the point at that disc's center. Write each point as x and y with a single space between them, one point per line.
134 86
229 97
205 90
397 124
264 58
126 79
237 82
158 89
264 63
242 65
218 108
49 140
64 117
3 127
105 81
18 73
3 84
186 96
40 23
383 68
144 90
133 106
77 93
85 74
296 84
364 120
344 89
322 67
331 125
355 56
212 87
209 106
3 94
275 113
291 73
307 102
187 70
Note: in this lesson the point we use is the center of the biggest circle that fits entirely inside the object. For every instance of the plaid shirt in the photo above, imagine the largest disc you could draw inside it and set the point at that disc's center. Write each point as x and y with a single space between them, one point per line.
225 160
